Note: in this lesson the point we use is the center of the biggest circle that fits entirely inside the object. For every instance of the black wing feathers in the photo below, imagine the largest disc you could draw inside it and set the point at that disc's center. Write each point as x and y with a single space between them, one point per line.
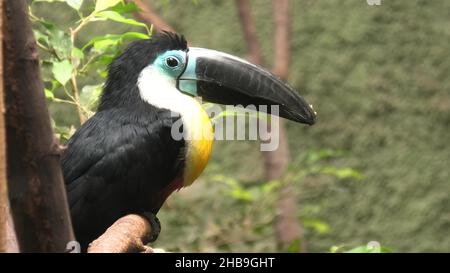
116 164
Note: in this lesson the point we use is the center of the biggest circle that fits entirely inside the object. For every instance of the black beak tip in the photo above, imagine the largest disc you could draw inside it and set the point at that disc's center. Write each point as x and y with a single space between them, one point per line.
311 120
306 115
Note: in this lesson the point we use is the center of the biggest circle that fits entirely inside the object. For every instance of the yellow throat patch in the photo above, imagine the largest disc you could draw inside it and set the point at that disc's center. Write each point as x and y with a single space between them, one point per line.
199 144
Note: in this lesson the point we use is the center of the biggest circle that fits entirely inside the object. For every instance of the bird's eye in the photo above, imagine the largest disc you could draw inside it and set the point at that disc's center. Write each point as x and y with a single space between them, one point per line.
172 62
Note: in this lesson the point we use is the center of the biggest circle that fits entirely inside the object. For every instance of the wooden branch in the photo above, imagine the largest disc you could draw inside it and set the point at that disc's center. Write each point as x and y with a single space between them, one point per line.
35 183
129 234
250 34
11 239
149 16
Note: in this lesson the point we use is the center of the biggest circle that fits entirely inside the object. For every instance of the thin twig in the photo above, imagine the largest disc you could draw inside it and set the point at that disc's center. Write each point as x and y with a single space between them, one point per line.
73 78
76 96
63 101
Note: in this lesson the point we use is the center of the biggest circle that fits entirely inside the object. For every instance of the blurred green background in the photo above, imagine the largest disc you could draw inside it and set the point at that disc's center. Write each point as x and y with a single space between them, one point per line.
378 76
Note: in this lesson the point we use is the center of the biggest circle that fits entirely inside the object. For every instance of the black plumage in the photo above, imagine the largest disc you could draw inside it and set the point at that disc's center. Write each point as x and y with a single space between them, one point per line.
123 159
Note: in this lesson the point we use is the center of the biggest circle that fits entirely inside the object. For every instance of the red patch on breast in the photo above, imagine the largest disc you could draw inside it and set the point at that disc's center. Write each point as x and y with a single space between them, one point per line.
162 195
176 184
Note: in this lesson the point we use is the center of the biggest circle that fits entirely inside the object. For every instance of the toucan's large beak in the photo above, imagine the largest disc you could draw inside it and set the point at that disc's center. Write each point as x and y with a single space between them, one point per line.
225 79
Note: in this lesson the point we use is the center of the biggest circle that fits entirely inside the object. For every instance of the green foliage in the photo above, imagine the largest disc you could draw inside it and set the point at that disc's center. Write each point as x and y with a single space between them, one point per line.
104 4
62 71
223 213
67 60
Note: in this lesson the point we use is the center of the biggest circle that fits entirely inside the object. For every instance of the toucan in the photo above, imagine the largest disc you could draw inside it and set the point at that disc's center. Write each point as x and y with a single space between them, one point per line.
124 159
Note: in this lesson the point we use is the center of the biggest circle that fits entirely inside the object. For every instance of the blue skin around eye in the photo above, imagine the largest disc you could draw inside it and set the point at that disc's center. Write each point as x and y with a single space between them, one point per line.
172 72
186 86
189 85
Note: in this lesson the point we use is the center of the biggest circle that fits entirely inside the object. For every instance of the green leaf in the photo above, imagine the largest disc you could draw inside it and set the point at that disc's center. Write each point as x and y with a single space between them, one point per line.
103 73
49 94
242 195
77 56
134 35
47 25
271 186
62 71
101 43
60 41
104 60
40 37
55 84
315 156
335 249
57 40
317 225
115 16
113 37
122 8
75 4
77 53
344 173
90 95
104 4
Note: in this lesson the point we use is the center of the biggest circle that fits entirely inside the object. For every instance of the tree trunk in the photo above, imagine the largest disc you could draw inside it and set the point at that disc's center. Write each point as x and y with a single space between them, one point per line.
287 226
277 161
3 188
36 189
250 34
8 242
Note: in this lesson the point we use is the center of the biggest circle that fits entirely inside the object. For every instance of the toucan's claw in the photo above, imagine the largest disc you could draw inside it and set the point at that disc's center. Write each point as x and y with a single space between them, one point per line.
155 225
